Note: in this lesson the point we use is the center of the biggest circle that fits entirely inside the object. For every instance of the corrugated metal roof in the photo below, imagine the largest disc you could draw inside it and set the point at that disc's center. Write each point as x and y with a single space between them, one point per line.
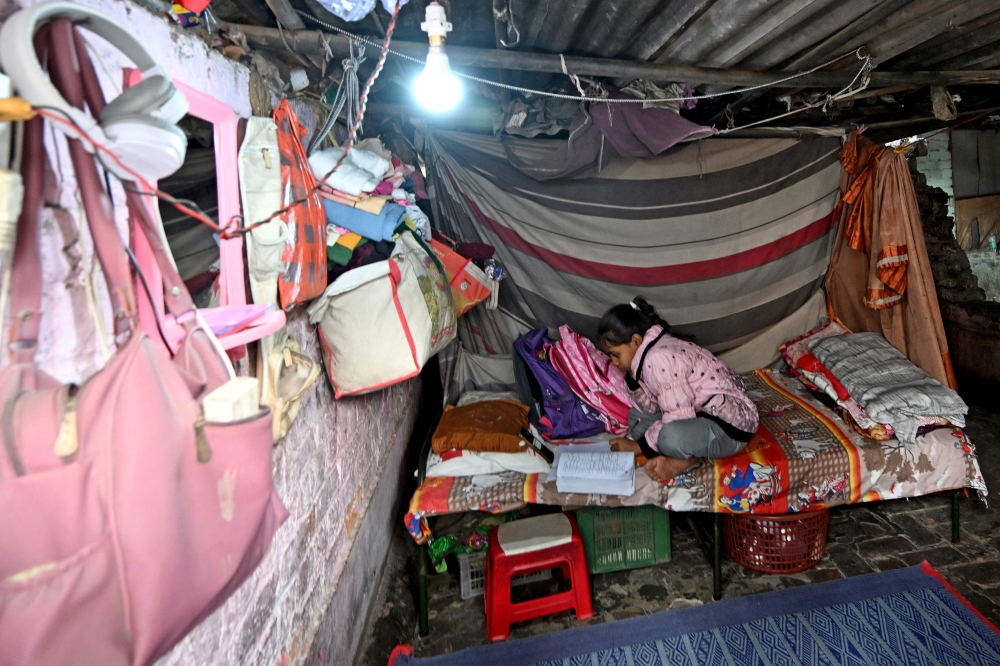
765 35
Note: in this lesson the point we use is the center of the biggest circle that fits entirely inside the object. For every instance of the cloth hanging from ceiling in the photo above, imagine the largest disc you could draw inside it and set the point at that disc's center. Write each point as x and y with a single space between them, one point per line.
598 133
726 237
880 278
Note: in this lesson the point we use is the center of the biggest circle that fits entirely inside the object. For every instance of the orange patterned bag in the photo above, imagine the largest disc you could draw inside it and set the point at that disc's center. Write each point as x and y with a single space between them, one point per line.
304 254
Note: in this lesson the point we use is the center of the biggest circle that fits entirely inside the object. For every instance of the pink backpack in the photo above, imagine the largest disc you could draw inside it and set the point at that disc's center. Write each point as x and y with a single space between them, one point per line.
125 518
593 377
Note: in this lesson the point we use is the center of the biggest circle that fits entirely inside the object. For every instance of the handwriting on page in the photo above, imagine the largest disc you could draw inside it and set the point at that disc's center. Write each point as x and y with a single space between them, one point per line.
596 465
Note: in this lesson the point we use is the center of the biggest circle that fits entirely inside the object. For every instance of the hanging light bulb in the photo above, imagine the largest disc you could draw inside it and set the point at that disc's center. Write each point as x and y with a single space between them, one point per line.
436 88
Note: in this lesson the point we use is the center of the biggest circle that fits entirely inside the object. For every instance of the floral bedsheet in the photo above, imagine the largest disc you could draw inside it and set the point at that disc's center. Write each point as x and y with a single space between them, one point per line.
803 457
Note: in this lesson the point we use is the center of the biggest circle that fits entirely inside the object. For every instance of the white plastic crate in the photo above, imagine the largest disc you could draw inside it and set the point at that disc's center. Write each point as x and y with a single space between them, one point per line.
472 572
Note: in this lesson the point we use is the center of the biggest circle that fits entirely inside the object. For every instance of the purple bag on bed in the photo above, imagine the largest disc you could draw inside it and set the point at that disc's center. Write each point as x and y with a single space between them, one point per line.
566 417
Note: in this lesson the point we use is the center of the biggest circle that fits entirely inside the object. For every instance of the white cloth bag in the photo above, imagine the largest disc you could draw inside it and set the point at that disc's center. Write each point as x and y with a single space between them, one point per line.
378 324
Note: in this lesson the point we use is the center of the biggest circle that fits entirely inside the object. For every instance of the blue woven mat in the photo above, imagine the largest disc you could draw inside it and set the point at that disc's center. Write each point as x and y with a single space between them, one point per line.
902 617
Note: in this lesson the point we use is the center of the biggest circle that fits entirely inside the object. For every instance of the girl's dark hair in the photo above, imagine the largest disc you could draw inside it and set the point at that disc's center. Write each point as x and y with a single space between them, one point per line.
621 322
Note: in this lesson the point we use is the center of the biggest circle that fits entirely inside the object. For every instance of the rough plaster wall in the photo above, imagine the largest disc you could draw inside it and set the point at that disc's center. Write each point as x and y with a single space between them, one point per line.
74 340
326 469
986 266
937 167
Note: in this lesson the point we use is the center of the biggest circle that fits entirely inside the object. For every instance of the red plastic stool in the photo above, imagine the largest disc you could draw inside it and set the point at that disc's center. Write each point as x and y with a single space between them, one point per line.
524 547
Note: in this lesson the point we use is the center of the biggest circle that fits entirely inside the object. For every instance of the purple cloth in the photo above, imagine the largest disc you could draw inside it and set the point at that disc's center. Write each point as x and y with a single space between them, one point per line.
637 132
602 131
567 417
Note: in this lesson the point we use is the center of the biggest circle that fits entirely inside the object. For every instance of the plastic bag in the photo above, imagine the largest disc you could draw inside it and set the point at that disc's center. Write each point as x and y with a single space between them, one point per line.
469 285
304 254
355 10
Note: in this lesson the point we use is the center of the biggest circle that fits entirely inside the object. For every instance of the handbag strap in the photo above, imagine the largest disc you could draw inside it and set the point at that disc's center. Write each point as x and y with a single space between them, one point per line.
176 296
60 47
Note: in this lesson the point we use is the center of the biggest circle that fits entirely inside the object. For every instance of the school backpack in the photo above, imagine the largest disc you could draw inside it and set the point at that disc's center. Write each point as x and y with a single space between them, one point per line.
592 376
561 415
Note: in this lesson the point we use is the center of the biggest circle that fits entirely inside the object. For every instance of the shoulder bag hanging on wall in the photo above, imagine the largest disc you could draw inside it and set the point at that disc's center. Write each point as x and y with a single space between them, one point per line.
125 518
378 324
304 253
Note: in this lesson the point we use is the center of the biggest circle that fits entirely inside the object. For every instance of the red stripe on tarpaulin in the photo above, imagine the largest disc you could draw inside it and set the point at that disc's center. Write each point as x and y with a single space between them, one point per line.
658 275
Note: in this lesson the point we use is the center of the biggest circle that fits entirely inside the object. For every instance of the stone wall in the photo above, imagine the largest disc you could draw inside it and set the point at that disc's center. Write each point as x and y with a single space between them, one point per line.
936 166
338 471
986 267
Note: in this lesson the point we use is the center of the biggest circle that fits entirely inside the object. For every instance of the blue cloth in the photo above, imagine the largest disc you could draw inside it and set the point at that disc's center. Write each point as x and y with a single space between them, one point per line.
375 227
904 616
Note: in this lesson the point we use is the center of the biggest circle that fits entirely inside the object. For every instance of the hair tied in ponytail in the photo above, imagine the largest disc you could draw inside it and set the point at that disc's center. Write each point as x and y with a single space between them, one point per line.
634 306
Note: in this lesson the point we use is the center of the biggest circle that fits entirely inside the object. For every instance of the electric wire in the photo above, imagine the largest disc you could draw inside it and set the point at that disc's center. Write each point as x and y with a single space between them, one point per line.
584 98
236 225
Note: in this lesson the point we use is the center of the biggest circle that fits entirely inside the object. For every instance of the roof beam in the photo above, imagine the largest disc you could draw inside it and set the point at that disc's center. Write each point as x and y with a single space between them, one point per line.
311 42
287 17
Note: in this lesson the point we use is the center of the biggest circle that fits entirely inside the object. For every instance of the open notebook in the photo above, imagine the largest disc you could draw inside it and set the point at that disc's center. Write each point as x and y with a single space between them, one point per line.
605 473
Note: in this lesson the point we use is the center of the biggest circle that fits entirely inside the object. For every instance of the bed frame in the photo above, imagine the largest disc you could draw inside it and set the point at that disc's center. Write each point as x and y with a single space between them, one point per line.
711 545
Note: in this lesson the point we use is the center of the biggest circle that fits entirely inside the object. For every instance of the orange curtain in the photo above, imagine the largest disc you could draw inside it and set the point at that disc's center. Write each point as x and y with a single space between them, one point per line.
880 277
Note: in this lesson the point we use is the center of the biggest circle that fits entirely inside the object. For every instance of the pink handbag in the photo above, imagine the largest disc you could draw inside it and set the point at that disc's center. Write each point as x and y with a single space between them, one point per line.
593 377
125 518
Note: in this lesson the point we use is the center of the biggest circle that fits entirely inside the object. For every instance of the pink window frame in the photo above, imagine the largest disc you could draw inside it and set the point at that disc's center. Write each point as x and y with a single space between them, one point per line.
232 290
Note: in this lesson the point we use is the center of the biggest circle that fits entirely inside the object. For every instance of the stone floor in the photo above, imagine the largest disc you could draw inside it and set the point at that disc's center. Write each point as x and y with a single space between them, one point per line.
862 539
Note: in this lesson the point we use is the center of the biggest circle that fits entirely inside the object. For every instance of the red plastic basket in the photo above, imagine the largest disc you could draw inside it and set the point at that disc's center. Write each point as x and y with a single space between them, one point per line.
776 544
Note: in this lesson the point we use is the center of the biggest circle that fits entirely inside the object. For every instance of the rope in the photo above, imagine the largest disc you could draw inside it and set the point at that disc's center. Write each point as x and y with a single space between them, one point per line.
347 94
584 98
572 77
864 74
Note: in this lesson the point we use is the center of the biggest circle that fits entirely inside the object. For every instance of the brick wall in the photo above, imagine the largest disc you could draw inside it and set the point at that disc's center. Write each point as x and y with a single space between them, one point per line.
326 471
338 470
937 167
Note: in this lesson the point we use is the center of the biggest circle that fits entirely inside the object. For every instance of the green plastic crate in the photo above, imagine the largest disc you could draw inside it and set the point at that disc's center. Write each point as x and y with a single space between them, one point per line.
621 538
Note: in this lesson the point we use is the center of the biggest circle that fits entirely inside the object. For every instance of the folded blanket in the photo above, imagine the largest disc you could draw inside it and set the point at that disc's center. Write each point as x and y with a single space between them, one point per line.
889 387
349 178
372 205
376 227
361 171
374 164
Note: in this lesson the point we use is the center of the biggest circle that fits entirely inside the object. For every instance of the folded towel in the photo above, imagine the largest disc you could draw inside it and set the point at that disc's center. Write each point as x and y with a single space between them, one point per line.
350 240
376 227
372 205
362 171
338 254
349 178
369 161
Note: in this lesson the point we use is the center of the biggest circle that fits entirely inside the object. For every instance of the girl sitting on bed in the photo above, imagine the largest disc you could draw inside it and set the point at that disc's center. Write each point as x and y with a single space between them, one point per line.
687 404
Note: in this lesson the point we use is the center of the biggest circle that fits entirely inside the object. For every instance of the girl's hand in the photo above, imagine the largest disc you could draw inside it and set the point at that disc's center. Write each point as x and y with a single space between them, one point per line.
625 445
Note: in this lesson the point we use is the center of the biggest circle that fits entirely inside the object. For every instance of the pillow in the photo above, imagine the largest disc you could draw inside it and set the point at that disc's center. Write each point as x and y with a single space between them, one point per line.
793 350
472 463
817 373
494 425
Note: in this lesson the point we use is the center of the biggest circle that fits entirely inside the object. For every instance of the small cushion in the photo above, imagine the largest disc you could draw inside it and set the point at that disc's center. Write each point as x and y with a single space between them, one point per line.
494 425
532 534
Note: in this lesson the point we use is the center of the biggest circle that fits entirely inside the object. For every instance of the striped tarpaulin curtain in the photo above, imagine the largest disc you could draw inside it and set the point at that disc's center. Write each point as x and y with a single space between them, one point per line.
726 237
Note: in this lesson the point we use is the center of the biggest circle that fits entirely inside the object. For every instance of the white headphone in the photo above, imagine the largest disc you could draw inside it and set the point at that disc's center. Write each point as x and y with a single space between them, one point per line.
138 126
